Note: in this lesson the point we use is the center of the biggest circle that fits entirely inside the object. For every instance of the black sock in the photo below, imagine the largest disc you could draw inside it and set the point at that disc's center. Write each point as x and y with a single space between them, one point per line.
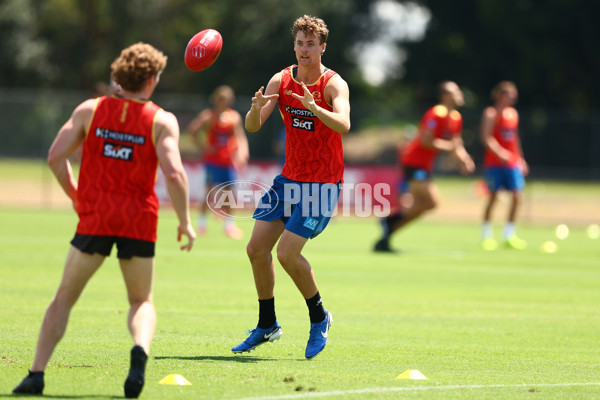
266 313
389 223
315 309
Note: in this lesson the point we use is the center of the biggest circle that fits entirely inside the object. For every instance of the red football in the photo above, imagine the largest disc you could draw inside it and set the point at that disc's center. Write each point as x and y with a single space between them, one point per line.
203 49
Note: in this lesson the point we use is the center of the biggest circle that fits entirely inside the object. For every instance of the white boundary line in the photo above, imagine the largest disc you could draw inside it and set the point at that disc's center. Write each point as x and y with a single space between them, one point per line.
409 389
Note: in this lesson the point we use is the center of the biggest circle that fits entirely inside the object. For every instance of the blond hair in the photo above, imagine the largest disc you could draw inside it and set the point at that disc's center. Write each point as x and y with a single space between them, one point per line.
502 87
136 64
224 91
311 26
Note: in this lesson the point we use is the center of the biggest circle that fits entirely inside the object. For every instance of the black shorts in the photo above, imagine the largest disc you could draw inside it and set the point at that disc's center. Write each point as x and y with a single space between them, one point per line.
126 247
416 174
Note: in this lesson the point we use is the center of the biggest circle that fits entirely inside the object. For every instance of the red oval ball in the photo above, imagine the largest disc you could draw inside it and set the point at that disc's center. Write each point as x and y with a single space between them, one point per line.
203 49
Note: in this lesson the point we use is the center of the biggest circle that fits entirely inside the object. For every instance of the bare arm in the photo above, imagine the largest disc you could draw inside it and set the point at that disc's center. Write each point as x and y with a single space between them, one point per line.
263 105
69 137
338 94
242 153
467 166
429 141
487 138
198 124
524 165
169 158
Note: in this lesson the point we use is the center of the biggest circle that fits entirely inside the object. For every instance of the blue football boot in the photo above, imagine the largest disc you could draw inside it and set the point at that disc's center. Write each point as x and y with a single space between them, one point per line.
318 336
258 336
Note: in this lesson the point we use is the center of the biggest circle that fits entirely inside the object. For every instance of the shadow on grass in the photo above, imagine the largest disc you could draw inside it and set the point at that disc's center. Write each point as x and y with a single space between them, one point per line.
57 396
241 359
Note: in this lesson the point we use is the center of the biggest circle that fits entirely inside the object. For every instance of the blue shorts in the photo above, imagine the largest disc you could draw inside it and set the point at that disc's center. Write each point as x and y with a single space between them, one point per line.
304 207
510 179
216 174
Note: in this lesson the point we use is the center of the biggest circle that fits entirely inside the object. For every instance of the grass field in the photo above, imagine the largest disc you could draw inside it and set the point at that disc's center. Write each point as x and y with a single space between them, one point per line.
498 325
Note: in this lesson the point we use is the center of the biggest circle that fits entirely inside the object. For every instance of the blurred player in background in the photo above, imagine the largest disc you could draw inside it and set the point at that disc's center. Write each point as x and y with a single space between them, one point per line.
225 150
315 107
503 162
439 130
125 138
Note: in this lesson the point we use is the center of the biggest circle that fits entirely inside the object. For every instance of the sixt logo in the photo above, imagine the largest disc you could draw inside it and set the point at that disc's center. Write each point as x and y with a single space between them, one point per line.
306 124
118 151
199 51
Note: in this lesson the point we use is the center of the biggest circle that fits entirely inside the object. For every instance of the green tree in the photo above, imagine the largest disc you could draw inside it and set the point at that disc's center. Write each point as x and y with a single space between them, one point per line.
547 47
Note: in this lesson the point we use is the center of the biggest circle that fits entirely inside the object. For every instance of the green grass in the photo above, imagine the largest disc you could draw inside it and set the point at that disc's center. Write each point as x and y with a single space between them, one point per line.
498 325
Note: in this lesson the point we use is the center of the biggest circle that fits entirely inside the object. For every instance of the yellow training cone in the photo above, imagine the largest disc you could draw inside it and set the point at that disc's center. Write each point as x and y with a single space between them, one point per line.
411 374
174 379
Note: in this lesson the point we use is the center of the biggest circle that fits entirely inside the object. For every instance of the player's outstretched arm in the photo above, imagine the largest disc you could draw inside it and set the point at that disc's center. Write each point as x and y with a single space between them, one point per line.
263 104
169 158
69 137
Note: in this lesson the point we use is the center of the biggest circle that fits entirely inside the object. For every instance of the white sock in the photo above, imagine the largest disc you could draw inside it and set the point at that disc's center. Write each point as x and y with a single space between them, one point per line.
202 221
509 230
486 230
227 222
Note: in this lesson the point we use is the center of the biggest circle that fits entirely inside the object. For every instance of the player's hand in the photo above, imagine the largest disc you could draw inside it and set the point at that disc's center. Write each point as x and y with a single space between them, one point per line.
308 101
467 166
259 100
186 230
239 163
524 168
505 156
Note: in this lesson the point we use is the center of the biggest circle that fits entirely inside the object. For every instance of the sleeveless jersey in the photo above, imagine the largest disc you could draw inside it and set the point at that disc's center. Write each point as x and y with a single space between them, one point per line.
115 193
444 124
313 152
221 139
505 131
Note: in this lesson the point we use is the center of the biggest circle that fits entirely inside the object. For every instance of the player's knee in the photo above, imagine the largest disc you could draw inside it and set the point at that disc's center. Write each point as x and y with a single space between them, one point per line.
433 203
428 204
140 301
285 257
255 252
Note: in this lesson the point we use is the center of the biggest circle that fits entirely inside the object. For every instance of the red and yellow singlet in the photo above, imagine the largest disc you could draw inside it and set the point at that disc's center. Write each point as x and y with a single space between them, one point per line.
313 152
444 124
505 131
221 139
116 194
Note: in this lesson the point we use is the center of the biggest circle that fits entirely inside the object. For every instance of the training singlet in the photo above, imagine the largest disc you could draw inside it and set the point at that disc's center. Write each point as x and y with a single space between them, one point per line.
313 152
505 131
221 139
444 124
116 194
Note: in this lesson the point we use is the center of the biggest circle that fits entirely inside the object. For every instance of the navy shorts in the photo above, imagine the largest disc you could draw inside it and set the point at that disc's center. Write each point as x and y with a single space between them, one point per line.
510 179
304 207
216 174
126 247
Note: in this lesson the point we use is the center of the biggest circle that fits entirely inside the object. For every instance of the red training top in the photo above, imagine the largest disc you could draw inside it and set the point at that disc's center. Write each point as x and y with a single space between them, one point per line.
116 194
221 139
505 131
313 152
444 125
